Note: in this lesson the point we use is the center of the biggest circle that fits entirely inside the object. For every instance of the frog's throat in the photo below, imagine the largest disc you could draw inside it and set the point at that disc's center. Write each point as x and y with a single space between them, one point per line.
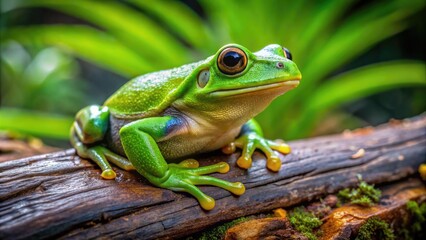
285 85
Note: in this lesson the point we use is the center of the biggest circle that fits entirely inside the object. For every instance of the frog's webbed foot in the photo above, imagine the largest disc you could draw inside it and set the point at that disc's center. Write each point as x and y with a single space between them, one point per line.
186 175
252 141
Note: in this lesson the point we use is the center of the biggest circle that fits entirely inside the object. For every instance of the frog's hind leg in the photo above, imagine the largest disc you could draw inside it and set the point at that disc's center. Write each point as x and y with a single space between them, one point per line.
118 160
95 153
86 134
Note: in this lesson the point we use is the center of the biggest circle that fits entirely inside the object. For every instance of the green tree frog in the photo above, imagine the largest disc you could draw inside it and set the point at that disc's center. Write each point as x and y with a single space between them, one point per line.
158 119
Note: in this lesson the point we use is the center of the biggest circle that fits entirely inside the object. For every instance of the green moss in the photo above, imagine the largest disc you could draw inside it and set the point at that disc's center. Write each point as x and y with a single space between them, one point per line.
218 232
403 233
413 226
375 228
304 222
419 215
364 194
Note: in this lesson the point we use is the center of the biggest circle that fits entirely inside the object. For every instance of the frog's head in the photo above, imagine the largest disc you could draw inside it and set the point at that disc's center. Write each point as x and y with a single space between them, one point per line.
236 83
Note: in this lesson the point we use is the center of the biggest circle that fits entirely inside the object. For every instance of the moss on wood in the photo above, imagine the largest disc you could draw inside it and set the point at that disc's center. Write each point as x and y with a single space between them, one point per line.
364 195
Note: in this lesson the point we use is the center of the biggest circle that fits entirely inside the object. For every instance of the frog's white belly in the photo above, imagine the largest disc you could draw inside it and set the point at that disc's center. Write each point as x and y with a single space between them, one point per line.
198 141
195 138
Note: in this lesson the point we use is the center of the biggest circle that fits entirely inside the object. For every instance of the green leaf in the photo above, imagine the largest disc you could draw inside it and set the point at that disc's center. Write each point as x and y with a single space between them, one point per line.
227 26
366 81
35 123
141 33
85 42
360 32
298 16
356 84
261 22
181 19
356 35
319 24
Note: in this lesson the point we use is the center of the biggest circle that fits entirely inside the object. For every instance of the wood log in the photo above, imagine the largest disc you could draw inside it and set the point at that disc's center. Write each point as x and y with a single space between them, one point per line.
343 222
13 148
264 228
59 195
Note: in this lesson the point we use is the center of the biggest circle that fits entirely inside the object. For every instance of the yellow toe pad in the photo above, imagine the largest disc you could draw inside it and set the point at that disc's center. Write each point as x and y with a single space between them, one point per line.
207 203
244 163
283 148
274 164
190 163
223 168
108 174
238 189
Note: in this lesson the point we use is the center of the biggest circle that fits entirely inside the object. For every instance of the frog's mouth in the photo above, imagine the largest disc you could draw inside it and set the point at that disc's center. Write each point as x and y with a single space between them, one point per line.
283 86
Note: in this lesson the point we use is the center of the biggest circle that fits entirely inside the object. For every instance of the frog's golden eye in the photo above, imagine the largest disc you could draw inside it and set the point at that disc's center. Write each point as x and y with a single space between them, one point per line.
232 61
287 53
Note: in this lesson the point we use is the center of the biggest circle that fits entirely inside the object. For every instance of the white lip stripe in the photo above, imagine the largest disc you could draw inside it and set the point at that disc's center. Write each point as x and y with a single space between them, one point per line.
291 83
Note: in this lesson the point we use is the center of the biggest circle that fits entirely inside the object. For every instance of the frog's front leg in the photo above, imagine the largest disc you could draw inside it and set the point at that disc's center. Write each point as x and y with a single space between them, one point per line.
251 138
139 140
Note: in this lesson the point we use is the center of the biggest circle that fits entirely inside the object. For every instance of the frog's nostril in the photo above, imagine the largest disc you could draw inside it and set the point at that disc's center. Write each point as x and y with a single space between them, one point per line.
280 65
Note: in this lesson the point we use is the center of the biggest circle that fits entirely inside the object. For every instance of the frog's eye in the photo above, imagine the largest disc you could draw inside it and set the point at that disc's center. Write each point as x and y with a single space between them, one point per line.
287 53
203 78
232 61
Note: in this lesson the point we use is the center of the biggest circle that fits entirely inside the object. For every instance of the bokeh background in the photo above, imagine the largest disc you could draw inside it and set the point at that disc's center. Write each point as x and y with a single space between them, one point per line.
363 62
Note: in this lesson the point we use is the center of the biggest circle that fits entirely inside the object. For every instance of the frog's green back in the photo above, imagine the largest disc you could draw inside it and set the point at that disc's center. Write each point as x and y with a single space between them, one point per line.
149 94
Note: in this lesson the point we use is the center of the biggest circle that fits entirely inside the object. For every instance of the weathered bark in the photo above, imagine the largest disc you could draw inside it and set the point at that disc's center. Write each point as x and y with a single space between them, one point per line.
60 195
264 228
343 222
14 149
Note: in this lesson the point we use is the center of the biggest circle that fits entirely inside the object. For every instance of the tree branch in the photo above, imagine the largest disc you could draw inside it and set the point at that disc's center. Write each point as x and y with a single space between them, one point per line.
59 195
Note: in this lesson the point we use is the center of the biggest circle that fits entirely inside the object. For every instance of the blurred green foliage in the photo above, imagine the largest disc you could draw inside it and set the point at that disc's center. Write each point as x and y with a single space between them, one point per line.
134 37
40 80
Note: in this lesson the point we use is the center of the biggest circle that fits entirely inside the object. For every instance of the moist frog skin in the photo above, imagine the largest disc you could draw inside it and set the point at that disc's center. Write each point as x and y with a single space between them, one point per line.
154 121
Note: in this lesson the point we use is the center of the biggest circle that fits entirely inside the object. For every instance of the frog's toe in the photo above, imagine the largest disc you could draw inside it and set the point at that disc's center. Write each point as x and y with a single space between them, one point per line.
273 163
236 188
244 162
280 146
221 167
108 174
189 163
229 148
206 202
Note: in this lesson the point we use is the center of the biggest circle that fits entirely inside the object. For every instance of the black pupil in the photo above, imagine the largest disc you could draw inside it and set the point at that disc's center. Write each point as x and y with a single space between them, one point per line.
231 59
